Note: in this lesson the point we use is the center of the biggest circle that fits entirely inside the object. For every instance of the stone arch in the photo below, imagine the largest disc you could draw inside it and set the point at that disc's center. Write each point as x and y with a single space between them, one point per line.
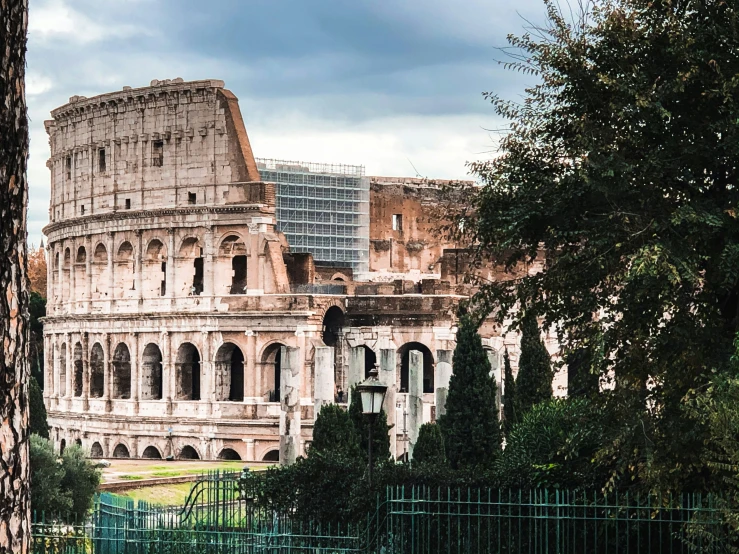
151 373
67 273
232 257
370 359
96 450
125 279
151 452
78 368
56 260
155 269
97 371
189 267
271 456
229 366
121 371
81 255
188 452
187 367
62 361
339 277
428 366
228 454
99 268
333 322
80 272
121 451
271 370
62 446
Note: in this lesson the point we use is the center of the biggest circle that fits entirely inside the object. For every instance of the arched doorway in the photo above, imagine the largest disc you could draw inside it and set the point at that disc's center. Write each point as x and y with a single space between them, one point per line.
370 359
62 361
121 451
96 451
121 371
189 268
78 370
97 371
125 279
188 453
155 269
151 373
62 446
152 453
230 373
333 322
188 372
229 454
271 456
233 248
428 366
271 371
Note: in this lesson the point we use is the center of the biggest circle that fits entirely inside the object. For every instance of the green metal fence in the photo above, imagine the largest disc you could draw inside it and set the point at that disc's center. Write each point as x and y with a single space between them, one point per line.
222 516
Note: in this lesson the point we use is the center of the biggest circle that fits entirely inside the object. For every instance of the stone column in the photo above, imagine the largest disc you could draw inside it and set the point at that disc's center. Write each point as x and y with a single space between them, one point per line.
107 369
250 450
168 370
111 277
139 266
253 265
48 369
323 381
60 275
388 376
289 405
442 374
207 374
169 284
72 281
135 358
57 368
250 366
69 393
85 370
209 270
415 398
88 271
356 370
495 374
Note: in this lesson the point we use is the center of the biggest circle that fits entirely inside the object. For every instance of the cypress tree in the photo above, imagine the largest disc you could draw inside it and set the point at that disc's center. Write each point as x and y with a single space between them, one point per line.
37 410
334 433
380 433
429 448
470 426
534 380
509 395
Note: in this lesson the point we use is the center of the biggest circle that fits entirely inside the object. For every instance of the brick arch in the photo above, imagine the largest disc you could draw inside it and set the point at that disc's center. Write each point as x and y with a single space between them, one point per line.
162 241
185 446
218 240
181 243
267 448
121 442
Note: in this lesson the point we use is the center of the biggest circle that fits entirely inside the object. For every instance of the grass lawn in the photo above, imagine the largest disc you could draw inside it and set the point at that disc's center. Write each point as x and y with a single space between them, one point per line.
167 495
127 469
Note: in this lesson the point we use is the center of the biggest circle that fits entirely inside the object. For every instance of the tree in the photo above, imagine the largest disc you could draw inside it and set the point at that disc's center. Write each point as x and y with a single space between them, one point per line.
37 310
81 479
470 426
47 474
534 379
37 270
429 448
15 509
380 432
509 395
334 434
37 410
620 171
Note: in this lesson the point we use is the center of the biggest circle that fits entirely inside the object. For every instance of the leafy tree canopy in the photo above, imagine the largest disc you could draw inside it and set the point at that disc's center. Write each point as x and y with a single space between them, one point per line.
334 434
534 379
37 410
429 448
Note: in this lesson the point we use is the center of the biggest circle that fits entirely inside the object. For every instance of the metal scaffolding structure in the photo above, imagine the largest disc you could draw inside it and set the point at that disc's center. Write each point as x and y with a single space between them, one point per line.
322 209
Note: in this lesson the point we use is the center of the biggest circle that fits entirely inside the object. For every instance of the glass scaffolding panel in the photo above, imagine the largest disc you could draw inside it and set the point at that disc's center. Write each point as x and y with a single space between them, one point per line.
322 209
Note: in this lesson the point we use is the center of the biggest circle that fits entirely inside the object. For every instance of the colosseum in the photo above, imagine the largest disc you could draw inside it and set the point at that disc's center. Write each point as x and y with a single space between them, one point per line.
180 322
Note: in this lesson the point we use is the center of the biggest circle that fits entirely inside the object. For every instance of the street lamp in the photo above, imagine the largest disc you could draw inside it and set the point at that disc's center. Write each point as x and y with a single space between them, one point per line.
372 392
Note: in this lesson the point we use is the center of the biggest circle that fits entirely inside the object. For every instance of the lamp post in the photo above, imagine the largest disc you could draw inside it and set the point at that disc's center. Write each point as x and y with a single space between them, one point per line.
372 392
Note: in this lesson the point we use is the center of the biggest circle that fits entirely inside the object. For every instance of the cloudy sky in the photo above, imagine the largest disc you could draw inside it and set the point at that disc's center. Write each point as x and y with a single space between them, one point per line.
379 83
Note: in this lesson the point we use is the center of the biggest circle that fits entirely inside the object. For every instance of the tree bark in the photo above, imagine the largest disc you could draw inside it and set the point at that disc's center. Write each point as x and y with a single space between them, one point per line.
15 513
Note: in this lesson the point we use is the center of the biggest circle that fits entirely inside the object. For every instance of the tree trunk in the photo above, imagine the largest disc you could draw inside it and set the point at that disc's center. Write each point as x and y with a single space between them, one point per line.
15 513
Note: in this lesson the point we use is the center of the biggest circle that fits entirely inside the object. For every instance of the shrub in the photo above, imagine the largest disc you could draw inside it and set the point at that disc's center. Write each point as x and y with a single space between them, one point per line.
429 448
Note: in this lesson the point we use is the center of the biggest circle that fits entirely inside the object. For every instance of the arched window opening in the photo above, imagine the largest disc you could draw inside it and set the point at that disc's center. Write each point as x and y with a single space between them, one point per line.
78 370
230 373
96 451
152 453
125 279
234 248
271 456
190 264
271 371
80 272
428 366
155 269
81 255
62 361
62 446
66 270
333 322
370 359
99 270
188 372
121 372
229 454
151 373
97 371
188 453
121 451
56 261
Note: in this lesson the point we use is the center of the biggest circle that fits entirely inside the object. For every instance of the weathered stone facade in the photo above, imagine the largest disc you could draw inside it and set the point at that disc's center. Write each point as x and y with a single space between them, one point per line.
179 323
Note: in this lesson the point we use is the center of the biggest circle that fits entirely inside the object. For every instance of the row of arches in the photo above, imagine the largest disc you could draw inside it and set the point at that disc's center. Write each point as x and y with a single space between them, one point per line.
152 452
404 353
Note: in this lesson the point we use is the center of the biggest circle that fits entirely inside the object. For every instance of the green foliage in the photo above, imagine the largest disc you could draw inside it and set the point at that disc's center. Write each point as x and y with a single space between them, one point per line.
534 379
380 432
37 310
626 181
81 479
37 410
470 426
334 434
509 395
581 379
47 493
429 448
554 446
